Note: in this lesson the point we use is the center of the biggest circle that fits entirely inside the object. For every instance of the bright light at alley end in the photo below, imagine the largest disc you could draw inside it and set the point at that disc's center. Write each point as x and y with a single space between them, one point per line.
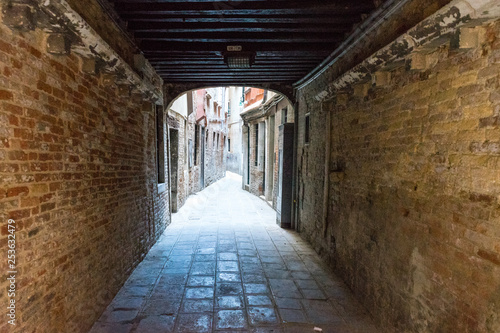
235 58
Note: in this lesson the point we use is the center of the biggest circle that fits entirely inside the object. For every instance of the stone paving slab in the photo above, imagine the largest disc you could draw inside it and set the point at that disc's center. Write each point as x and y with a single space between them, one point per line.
223 265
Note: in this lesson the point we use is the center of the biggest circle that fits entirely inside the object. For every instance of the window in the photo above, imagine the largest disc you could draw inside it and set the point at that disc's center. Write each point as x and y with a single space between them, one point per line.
160 145
307 125
213 142
256 146
284 115
196 143
218 145
228 144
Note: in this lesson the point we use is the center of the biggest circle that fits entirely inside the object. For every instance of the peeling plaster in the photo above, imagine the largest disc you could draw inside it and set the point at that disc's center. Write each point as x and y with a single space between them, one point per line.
58 16
442 23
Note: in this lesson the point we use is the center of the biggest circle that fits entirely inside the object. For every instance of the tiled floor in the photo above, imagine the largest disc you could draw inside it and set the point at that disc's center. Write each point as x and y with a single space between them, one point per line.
223 265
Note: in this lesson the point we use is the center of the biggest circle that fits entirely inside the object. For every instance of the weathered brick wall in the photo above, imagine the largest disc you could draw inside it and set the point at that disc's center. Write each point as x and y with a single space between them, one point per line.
413 219
256 185
182 191
194 171
182 188
93 13
215 163
77 173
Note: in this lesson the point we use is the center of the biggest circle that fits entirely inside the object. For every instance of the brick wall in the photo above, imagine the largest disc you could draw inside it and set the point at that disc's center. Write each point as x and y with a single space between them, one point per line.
178 123
77 173
215 155
267 151
413 216
215 152
194 184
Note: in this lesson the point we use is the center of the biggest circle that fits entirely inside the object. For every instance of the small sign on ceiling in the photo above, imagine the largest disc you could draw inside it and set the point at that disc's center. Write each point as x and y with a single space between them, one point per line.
234 48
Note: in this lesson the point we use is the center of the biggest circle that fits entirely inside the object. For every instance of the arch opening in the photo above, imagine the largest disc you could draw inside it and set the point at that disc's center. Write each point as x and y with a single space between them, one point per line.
232 128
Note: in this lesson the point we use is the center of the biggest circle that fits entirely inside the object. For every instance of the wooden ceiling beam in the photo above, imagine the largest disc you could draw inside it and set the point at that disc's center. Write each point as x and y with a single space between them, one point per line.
226 70
231 2
150 27
336 24
187 54
324 18
239 38
214 64
246 7
220 46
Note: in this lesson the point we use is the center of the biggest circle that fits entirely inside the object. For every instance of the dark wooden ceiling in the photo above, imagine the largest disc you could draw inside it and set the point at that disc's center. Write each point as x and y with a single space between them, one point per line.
185 40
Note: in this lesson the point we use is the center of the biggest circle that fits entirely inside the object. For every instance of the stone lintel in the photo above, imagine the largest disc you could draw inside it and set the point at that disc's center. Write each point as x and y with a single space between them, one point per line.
18 16
89 65
58 44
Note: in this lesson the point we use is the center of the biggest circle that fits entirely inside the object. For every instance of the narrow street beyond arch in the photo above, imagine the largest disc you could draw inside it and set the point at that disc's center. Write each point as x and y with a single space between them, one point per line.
224 265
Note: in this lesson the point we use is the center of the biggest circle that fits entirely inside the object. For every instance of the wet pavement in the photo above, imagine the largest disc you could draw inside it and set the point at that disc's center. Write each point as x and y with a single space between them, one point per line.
223 265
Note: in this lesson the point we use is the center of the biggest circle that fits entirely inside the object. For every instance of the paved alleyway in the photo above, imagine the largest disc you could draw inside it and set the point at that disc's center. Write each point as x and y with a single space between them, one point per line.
224 265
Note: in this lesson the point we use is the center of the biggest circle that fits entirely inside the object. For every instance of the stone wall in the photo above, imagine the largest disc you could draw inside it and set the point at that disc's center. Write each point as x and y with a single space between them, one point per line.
409 213
78 175
215 154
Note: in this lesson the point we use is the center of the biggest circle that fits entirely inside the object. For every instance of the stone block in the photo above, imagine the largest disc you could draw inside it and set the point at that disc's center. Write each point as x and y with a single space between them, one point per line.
89 65
361 90
423 61
124 90
108 80
139 62
418 61
58 44
18 16
137 97
342 99
472 37
382 78
336 176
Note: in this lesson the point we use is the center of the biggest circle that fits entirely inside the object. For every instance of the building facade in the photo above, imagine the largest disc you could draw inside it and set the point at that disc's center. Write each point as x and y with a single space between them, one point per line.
197 142
234 102
265 112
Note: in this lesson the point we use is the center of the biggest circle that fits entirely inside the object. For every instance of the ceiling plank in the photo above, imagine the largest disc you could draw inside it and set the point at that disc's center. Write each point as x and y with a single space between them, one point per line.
185 40
246 7
236 19
216 27
155 45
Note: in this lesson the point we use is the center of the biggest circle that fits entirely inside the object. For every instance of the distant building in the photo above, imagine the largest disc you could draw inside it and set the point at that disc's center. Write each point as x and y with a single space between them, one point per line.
197 142
264 114
234 102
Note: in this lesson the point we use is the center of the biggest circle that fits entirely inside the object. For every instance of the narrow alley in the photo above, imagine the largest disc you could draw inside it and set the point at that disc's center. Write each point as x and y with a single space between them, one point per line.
224 265
366 137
